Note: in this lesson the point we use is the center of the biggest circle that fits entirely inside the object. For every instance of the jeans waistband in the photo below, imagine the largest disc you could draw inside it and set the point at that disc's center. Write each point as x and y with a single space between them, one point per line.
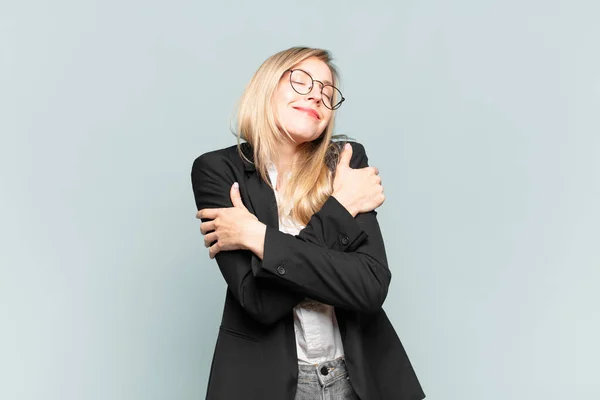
324 372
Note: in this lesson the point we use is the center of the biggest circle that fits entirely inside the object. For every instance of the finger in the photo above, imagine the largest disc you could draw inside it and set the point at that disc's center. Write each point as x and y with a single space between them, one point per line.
236 198
208 213
207 226
346 155
213 250
210 239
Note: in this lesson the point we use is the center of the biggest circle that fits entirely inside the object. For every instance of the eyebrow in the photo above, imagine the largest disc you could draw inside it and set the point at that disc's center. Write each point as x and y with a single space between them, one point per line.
325 82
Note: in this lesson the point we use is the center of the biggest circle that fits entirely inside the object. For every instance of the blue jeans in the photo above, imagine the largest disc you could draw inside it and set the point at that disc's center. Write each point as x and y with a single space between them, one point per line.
326 381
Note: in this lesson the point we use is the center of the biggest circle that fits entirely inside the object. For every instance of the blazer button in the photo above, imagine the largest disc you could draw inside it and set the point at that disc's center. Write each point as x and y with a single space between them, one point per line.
324 371
344 239
280 270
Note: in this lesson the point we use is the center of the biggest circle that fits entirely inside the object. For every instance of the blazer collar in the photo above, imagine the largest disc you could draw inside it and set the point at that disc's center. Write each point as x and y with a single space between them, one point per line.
261 195
247 157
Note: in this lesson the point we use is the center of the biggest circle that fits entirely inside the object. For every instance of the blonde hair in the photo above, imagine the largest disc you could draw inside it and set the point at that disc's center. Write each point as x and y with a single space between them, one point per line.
311 174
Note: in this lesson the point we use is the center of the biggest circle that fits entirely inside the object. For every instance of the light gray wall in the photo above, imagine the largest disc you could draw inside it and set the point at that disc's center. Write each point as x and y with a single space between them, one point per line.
481 115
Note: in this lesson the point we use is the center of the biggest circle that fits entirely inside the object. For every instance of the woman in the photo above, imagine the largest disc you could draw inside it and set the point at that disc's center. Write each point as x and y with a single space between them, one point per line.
289 217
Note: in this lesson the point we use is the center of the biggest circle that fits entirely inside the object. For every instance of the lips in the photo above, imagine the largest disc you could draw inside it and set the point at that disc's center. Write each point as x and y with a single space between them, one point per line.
309 111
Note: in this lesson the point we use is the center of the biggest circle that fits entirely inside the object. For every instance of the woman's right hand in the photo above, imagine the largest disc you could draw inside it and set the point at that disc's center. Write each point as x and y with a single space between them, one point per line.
358 190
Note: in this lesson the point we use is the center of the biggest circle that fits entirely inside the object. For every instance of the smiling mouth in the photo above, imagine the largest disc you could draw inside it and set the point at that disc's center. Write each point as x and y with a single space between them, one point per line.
308 111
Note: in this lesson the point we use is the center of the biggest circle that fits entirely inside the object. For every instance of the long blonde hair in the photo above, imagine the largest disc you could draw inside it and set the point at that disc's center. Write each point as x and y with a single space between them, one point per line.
311 174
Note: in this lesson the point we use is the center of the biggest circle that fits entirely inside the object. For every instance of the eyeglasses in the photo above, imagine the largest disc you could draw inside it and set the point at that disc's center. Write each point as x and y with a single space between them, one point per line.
303 83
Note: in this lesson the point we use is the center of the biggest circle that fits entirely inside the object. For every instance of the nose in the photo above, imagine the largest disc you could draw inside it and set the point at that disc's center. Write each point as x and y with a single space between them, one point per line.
316 93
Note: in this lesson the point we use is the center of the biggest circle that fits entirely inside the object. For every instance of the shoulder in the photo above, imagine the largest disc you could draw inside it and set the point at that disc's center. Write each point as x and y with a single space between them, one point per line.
215 156
359 155
228 157
339 143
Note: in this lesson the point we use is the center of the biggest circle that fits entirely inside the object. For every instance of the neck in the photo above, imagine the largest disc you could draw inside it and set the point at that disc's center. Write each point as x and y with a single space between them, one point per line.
285 156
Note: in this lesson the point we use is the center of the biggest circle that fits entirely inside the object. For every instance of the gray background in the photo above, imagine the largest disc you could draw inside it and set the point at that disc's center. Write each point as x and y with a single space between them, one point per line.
481 115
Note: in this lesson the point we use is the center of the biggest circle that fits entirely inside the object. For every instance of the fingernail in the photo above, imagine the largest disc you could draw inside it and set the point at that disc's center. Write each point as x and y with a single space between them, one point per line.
347 146
236 186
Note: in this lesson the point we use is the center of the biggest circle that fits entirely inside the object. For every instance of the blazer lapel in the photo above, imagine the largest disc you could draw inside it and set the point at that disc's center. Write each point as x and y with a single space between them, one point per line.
261 197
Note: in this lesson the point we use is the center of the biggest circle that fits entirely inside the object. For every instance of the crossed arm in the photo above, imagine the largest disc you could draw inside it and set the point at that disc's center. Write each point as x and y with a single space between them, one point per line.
337 259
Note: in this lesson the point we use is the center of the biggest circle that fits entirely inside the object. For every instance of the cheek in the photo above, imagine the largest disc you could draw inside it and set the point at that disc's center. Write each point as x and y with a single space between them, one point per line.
279 109
326 120
283 113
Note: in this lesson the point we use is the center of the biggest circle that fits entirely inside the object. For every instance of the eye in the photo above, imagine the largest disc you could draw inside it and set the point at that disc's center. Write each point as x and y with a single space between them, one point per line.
327 92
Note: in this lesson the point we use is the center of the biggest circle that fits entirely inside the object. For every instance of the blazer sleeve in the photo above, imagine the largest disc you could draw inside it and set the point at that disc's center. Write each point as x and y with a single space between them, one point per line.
264 299
356 280
333 227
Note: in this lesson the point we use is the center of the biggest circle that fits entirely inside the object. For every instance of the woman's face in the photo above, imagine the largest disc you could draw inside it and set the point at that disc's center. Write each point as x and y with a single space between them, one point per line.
303 116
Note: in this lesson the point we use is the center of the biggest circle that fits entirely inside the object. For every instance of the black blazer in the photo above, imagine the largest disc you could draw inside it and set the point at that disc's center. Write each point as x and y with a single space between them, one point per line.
337 259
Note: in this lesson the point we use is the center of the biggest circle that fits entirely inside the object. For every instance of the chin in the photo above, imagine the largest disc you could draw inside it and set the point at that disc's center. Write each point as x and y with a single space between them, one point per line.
304 133
304 137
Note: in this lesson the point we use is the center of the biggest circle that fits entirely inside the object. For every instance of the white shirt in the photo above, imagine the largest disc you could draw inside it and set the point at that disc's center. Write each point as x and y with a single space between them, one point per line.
317 332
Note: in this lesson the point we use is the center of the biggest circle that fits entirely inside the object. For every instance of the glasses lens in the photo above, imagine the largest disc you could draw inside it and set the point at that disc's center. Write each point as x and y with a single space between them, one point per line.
301 81
332 97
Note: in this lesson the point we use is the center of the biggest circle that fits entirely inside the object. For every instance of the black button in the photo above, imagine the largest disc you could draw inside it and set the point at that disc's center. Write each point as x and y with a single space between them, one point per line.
280 270
344 239
324 371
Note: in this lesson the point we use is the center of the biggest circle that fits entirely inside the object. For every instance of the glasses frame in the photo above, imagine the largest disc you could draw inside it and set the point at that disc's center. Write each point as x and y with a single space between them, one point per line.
337 105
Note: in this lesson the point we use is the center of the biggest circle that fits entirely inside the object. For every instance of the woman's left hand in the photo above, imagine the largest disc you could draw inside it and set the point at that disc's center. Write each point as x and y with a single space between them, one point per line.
231 228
